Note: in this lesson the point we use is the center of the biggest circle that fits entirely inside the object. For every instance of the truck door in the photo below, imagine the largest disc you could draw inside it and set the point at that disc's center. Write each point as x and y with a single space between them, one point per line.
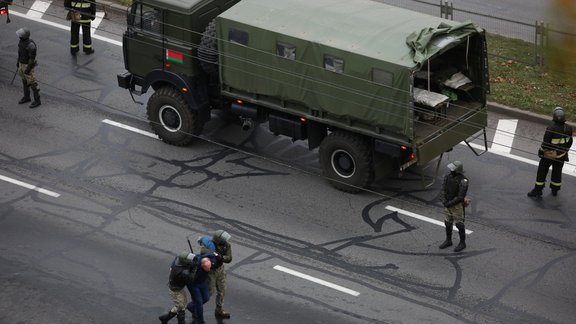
143 42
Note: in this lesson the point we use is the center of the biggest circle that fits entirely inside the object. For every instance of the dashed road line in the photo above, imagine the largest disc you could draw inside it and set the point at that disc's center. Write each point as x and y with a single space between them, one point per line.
29 186
316 280
130 128
420 217
504 136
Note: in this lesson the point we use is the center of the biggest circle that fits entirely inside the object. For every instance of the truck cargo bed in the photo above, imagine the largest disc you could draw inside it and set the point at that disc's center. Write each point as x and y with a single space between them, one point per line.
426 131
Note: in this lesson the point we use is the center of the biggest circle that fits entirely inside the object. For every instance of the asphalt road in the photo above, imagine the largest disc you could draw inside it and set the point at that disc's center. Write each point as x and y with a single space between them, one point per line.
94 245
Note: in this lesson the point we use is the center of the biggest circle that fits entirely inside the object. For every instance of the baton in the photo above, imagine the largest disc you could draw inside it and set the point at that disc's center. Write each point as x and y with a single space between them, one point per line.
14 76
189 244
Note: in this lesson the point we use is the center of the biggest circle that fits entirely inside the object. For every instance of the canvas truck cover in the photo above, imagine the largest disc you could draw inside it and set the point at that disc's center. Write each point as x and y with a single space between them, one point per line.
347 60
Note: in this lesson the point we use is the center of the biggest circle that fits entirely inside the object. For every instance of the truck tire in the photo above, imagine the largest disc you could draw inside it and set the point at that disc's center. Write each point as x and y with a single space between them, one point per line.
171 118
347 159
208 49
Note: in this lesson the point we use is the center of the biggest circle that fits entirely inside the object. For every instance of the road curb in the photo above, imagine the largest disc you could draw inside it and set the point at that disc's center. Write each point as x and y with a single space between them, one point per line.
522 114
112 6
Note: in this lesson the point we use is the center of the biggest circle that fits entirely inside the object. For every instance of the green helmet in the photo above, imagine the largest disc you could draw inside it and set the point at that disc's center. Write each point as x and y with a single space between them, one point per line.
558 115
23 33
185 257
220 236
456 166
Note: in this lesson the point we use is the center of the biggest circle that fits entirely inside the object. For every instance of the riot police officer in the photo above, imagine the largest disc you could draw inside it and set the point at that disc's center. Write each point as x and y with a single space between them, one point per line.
182 272
26 64
217 278
453 195
553 152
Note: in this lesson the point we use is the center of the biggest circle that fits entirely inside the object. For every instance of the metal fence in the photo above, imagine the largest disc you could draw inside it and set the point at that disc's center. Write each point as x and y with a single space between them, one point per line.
537 34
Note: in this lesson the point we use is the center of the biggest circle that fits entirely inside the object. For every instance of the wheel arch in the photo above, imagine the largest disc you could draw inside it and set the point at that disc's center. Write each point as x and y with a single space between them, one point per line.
195 93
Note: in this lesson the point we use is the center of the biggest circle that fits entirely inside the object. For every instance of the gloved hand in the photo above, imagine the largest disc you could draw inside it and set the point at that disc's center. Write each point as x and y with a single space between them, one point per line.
17 64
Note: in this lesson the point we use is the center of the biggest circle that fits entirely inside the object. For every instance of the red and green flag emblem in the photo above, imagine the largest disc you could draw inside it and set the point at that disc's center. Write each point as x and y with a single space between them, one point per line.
174 56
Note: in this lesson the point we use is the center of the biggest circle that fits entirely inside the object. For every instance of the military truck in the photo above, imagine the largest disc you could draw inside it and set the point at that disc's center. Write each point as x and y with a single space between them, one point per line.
371 85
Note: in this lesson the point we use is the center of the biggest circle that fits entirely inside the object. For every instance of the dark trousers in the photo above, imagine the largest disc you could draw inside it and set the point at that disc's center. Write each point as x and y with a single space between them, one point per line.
75 36
556 177
200 295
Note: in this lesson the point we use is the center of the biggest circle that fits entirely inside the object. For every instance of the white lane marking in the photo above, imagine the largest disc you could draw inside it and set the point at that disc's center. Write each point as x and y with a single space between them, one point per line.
567 170
29 186
96 22
130 128
504 136
38 8
423 218
53 24
316 280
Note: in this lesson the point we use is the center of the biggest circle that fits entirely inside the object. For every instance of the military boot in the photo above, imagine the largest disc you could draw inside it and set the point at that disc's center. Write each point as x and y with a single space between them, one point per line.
462 233
26 97
181 316
221 313
166 317
448 241
535 193
36 101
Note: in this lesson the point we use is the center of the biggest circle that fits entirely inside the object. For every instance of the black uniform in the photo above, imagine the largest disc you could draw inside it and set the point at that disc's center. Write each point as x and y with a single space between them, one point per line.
558 137
87 10
452 195
454 189
26 66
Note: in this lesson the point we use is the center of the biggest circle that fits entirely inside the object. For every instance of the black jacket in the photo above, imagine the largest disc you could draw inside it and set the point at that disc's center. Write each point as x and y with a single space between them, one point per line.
454 189
180 275
558 136
86 7
26 51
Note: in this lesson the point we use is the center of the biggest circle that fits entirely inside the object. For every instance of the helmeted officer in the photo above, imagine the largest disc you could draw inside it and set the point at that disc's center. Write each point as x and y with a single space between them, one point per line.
557 140
87 10
452 195
217 278
219 242
182 272
26 64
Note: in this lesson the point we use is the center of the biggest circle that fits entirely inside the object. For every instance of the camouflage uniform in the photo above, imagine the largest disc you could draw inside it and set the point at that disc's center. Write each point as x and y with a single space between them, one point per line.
217 277
181 273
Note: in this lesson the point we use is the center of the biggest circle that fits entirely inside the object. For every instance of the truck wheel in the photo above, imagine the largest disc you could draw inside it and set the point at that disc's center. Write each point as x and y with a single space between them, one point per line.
346 158
208 49
171 118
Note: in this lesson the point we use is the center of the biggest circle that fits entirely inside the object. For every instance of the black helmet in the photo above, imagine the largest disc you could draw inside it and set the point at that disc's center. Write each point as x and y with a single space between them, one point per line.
23 33
558 116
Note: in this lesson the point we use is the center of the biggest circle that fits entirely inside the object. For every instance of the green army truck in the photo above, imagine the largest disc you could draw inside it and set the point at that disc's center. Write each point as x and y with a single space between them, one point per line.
371 85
